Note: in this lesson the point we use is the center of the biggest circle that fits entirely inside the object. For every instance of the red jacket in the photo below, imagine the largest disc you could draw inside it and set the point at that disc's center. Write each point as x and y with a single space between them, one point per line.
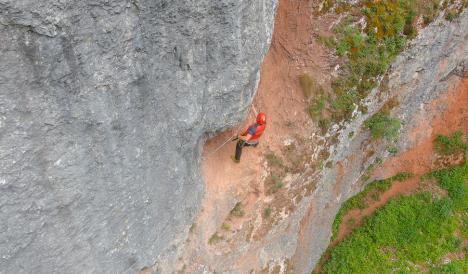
255 130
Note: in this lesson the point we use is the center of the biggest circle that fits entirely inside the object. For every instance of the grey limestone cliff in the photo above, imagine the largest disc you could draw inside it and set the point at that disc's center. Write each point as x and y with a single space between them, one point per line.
103 109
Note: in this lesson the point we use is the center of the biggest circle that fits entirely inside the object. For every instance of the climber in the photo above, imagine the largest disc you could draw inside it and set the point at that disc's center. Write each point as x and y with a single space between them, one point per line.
250 136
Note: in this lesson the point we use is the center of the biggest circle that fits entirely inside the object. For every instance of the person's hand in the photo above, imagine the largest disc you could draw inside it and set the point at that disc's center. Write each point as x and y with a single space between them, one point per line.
244 138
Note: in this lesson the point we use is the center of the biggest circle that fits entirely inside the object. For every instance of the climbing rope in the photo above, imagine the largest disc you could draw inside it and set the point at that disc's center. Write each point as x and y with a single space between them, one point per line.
254 110
230 138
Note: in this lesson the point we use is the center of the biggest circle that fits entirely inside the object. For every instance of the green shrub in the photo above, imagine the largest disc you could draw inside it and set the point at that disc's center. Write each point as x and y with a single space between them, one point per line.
451 144
381 125
358 201
393 150
367 52
317 106
215 238
451 14
370 51
410 233
237 211
456 266
226 226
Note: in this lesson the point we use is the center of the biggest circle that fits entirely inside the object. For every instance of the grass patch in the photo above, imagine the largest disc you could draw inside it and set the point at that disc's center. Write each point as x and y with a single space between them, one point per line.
381 125
215 238
411 234
456 266
226 226
316 96
317 106
393 150
368 49
373 191
447 145
451 14
237 210
367 174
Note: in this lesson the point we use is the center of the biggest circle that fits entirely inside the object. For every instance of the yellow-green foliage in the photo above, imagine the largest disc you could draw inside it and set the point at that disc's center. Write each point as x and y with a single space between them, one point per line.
214 239
381 125
452 144
368 52
226 226
238 211
386 18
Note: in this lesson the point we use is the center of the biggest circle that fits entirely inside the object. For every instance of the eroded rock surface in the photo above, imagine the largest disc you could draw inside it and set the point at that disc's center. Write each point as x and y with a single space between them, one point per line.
297 229
434 63
103 106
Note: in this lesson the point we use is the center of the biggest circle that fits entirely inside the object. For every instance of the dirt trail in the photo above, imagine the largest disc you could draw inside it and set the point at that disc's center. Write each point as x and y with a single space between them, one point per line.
294 51
420 159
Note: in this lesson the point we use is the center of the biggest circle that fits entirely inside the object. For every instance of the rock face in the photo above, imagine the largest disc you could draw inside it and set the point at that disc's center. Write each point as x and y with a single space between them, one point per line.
103 107
419 76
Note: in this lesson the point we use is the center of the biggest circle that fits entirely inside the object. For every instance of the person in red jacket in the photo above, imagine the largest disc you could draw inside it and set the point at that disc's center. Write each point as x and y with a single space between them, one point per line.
250 136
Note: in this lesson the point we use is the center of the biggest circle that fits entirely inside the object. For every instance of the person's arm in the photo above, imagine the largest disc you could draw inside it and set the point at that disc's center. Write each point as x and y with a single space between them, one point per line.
248 134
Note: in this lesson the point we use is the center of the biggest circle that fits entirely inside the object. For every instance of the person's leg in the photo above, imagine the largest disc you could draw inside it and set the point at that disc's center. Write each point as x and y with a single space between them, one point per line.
239 146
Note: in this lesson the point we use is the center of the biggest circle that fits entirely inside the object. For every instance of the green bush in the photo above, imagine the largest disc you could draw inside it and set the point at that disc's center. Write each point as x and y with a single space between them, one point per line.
317 106
381 125
237 211
451 14
410 233
358 201
451 144
456 266
368 52
214 239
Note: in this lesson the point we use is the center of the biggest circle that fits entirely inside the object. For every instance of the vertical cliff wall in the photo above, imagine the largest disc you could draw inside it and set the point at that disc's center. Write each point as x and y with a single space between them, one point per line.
103 106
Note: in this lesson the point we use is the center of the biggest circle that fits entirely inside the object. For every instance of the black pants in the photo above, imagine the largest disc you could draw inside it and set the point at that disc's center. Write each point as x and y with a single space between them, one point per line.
240 145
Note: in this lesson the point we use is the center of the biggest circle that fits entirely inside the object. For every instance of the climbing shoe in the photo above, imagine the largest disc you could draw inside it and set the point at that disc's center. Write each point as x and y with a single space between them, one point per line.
233 158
